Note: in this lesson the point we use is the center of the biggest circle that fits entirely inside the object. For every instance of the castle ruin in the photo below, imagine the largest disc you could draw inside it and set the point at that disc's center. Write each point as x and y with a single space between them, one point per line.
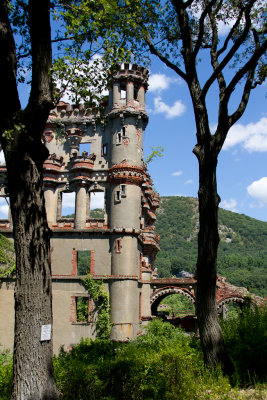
121 244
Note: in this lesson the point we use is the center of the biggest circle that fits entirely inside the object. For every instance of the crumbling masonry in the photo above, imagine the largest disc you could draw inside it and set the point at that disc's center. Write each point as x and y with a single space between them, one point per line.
123 243
119 247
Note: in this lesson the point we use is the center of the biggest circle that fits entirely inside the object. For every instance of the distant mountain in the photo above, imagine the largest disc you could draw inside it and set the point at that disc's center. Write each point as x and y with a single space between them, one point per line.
242 254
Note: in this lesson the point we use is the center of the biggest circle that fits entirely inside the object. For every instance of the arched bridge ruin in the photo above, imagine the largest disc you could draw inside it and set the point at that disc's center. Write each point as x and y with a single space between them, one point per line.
226 293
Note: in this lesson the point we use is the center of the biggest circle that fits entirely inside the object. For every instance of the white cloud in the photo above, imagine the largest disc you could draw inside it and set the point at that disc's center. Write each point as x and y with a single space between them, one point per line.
177 109
189 181
252 137
224 28
177 173
158 82
258 190
229 204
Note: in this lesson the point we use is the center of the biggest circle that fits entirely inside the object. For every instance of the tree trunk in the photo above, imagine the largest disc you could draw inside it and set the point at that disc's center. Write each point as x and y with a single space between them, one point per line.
33 369
208 240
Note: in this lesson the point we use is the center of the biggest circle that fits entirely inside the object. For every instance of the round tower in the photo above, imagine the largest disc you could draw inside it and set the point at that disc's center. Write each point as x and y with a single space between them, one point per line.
127 120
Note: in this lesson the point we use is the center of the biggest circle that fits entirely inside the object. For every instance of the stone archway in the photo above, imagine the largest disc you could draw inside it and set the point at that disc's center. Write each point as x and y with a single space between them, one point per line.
221 305
160 294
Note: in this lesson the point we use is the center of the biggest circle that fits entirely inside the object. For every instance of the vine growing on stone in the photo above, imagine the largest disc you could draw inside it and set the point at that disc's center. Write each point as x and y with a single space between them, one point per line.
101 299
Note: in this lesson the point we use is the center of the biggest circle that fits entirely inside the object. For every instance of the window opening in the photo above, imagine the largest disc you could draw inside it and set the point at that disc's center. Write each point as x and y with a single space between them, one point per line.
82 305
84 147
97 204
119 137
123 190
123 131
118 195
118 246
105 149
135 93
83 262
123 94
4 207
176 305
2 157
68 205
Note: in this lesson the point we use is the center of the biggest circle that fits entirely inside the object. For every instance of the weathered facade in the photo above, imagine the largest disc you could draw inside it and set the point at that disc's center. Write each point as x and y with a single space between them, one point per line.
122 243
120 246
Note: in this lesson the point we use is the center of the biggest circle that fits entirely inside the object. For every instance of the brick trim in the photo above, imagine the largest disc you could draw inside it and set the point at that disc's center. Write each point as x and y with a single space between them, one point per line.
91 308
92 262
74 262
73 314
140 306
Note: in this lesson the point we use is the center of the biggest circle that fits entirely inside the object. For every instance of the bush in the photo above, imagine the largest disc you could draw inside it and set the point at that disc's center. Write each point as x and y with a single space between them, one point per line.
246 341
6 371
159 365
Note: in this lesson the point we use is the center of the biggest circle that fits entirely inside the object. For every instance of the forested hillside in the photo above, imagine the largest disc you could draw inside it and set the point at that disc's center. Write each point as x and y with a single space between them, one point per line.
242 256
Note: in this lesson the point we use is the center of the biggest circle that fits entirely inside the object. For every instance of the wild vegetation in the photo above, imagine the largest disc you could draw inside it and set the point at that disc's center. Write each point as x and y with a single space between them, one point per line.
242 253
162 364
7 257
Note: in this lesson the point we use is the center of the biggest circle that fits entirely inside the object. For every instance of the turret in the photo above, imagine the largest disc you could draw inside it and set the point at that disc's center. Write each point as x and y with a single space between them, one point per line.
127 119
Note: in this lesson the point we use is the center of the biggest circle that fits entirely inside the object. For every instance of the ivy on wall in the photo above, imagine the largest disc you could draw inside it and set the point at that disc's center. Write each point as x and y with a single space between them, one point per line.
7 258
101 299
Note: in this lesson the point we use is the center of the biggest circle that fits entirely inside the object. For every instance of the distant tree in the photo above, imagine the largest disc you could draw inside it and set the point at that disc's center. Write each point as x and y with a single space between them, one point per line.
181 34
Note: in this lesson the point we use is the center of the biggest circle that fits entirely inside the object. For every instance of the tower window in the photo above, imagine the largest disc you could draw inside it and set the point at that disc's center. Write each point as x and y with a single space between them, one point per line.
123 94
104 149
123 131
119 137
123 190
118 195
118 246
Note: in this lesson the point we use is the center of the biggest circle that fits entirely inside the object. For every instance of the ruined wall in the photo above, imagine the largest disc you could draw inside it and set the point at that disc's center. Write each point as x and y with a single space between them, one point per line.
89 154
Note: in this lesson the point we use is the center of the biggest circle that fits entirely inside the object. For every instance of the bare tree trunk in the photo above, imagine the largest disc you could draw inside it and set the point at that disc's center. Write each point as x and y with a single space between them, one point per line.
208 240
33 370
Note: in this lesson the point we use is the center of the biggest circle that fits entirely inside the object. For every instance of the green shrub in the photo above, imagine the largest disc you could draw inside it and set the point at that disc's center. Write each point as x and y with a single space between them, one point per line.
6 371
246 341
159 365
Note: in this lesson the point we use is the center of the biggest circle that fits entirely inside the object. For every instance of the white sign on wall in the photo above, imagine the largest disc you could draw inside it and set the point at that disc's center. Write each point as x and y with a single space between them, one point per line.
46 332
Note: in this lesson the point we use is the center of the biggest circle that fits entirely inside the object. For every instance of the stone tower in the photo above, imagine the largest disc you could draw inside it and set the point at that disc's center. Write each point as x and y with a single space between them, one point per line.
121 244
127 120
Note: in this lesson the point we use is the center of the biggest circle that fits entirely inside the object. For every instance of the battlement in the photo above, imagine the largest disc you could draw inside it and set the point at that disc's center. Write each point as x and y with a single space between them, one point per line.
132 72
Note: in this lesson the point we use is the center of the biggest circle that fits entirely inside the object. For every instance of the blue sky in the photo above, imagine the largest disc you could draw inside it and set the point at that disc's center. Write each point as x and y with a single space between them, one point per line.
242 172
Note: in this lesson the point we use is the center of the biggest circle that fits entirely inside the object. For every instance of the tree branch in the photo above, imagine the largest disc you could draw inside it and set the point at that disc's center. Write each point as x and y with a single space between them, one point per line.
9 101
214 54
232 51
230 34
251 64
201 26
40 101
164 59
244 100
